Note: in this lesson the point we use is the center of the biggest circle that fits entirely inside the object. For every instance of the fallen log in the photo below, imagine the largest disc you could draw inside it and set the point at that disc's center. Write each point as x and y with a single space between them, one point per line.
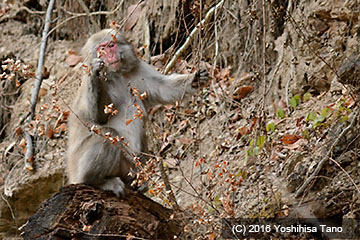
82 212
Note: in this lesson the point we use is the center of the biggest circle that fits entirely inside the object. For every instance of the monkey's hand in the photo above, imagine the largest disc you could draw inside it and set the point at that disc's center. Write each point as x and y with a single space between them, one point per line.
97 64
200 79
142 189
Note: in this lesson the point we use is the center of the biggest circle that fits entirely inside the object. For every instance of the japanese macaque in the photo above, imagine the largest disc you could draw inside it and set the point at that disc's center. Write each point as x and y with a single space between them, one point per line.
115 72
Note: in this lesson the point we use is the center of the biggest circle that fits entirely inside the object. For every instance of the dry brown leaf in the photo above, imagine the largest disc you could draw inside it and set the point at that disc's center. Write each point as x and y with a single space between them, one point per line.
282 104
134 11
223 74
155 109
189 111
298 121
18 131
45 73
128 121
253 124
349 102
42 92
297 144
65 115
86 228
242 92
115 25
49 132
211 236
61 128
290 139
185 140
242 131
73 59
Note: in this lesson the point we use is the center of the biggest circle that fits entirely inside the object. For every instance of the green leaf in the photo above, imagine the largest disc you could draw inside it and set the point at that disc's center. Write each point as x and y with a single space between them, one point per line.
210 210
260 141
344 119
311 116
217 200
307 96
306 134
317 122
281 113
294 101
319 119
325 112
270 127
242 174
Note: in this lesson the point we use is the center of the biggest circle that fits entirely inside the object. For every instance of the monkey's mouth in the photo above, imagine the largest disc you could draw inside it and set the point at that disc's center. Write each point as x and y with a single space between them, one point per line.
115 62
114 66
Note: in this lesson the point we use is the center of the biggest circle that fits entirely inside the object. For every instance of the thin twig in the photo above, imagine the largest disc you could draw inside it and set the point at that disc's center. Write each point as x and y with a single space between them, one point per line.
29 154
191 36
95 13
326 157
264 60
9 206
215 58
87 11
76 15
14 14
169 191
292 76
347 174
147 38
278 64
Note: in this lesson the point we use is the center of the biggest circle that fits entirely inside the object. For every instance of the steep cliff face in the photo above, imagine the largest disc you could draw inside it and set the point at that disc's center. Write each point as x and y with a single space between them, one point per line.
274 133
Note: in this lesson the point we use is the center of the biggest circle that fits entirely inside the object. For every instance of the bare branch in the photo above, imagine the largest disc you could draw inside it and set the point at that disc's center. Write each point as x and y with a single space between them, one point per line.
29 155
87 11
39 77
208 15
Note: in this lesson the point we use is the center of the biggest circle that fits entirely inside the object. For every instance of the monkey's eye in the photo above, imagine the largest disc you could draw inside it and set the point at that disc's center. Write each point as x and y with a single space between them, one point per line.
111 44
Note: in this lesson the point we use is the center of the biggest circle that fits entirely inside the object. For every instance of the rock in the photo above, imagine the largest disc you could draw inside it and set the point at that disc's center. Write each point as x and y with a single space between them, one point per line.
18 205
349 71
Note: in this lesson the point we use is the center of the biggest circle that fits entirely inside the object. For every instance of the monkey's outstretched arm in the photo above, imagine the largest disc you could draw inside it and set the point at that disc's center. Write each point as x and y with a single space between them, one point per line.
170 88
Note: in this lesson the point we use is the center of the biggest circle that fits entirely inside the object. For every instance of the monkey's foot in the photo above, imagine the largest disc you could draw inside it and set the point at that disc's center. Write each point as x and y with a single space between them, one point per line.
115 185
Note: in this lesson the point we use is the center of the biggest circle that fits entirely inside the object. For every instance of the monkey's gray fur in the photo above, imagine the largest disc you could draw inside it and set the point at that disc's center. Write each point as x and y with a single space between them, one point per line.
90 158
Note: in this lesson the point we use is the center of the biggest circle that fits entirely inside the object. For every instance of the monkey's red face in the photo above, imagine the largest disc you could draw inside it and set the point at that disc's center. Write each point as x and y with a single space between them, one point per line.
109 53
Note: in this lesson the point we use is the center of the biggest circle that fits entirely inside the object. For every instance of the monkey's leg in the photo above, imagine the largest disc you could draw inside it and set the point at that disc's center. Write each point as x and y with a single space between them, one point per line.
100 165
